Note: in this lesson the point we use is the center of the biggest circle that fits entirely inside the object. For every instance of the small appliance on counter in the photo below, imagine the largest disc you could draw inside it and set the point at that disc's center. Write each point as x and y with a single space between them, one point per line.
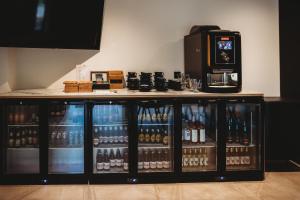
100 80
214 56
160 83
177 83
133 83
146 83
116 79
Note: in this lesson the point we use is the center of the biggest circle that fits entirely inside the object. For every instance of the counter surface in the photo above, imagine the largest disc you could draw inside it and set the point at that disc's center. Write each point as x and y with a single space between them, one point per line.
122 93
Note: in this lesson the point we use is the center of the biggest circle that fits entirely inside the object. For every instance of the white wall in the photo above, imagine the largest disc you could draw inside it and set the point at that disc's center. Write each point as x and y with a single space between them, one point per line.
7 69
147 35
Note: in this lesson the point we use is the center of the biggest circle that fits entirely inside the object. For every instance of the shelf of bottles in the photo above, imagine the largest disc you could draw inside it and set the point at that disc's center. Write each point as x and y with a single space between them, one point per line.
22 147
110 139
155 138
66 139
241 141
199 137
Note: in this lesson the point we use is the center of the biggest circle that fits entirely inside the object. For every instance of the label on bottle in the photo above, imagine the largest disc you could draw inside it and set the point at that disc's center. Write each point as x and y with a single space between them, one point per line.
227 160
11 142
140 165
153 165
105 139
107 166
23 141
196 162
29 141
111 139
118 162
185 161
101 139
18 142
146 165
152 138
201 161
231 159
247 160
166 164
194 135
147 138
237 160
191 162
242 160
121 139
96 142
205 161
125 166
126 139
166 140
100 166
158 138
202 135
159 164
116 139
187 134
112 162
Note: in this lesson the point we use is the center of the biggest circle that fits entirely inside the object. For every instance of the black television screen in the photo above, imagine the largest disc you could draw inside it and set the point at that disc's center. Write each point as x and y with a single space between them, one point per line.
66 24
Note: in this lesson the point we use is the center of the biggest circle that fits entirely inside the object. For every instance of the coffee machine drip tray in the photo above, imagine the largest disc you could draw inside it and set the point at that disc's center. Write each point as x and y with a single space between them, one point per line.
222 80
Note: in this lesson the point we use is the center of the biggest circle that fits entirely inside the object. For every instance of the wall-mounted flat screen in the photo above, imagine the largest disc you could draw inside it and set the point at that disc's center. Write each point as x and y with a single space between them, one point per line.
64 24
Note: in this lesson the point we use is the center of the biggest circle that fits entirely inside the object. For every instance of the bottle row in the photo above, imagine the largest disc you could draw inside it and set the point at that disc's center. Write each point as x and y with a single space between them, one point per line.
154 159
23 137
23 115
153 135
154 115
66 137
195 157
238 156
110 159
66 114
109 114
110 135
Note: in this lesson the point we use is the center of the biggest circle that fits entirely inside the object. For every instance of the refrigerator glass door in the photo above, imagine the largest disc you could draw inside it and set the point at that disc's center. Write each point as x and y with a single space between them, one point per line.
66 139
199 137
22 140
242 142
110 139
155 138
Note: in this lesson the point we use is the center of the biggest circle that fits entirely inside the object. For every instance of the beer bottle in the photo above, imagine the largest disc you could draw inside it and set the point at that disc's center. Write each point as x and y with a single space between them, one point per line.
146 159
116 133
229 131
23 138
247 156
227 157
245 134
100 135
99 161
18 138
35 139
237 126
231 158
158 136
121 135
141 136
11 140
166 137
106 161
141 159
196 158
10 115
105 135
202 131
201 157
205 158
159 163
152 136
153 159
119 159
191 158
242 155
110 136
112 158
147 136
185 158
194 131
125 128
17 115
22 115
29 138
125 164
166 161
237 157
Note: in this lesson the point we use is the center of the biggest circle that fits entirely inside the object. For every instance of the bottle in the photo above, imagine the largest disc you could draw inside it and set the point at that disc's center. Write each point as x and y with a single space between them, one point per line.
242 155
141 136
121 135
166 137
158 139
29 137
125 164
201 157
232 156
23 138
245 134
152 136
194 131
116 135
125 128
153 160
146 159
229 132
111 135
196 158
191 158
159 163
185 159
202 131
53 137
11 115
141 159
22 115
18 138
35 138
112 158
17 115
119 159
99 160
106 161
237 157
105 135
166 161
237 127
71 137
188 131
227 157
11 139
77 137
205 158
147 136
96 138
247 157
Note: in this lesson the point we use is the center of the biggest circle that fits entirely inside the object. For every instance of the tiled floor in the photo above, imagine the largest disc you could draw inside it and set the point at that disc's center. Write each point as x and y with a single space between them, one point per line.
281 186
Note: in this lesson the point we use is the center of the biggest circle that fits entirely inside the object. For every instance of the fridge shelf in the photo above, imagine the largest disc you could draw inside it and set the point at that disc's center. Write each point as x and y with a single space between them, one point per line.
23 148
107 146
144 124
153 147
154 171
22 125
66 125
229 145
206 145
112 171
112 124
64 148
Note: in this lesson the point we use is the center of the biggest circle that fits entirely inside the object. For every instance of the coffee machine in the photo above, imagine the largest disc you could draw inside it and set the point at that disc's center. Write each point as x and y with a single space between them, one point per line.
214 56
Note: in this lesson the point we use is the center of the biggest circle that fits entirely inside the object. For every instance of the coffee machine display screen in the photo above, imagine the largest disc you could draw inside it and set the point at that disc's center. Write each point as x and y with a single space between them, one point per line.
225 51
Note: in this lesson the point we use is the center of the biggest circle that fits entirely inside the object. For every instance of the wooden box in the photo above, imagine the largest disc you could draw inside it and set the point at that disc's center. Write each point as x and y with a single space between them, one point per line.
116 79
71 86
85 86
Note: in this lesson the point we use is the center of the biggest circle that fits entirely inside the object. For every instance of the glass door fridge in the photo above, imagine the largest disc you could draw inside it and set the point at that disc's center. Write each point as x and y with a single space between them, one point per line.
199 137
66 133
110 139
243 142
21 139
155 131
